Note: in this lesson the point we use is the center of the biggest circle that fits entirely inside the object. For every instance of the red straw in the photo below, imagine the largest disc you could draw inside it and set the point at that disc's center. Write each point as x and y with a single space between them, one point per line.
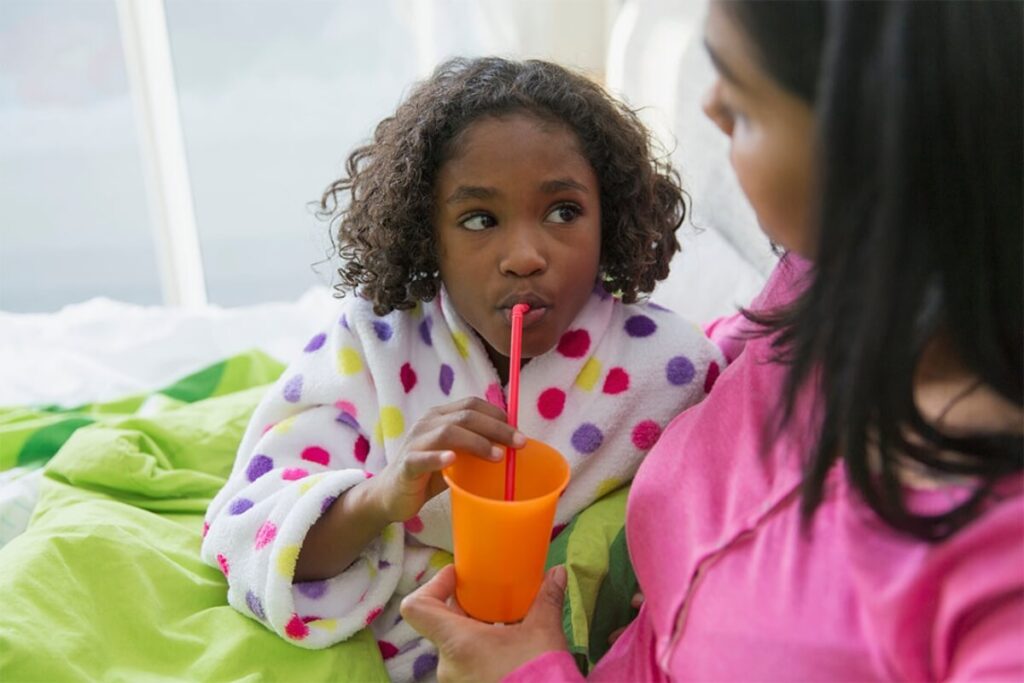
513 394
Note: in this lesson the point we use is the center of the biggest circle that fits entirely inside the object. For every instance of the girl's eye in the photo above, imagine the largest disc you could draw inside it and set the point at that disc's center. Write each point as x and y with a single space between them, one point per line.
478 221
564 213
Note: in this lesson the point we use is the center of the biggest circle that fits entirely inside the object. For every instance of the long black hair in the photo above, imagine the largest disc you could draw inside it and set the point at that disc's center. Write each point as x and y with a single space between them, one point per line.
920 234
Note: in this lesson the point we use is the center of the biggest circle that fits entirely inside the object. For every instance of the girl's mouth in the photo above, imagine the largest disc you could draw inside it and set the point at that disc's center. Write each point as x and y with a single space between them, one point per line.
532 317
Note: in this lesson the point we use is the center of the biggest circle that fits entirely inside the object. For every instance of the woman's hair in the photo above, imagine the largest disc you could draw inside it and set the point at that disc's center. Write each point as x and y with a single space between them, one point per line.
385 234
920 234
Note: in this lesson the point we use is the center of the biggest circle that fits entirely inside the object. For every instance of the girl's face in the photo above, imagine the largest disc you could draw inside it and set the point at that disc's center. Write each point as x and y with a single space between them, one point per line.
770 130
518 219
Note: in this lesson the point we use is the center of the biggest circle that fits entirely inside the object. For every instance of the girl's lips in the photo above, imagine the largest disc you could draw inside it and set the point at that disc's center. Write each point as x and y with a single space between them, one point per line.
532 317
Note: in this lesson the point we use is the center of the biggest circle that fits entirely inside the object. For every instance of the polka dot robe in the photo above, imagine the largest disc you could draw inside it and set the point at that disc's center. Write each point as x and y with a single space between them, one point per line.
340 413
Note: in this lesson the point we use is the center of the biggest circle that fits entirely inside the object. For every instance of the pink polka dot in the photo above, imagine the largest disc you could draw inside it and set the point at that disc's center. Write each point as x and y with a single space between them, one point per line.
296 628
557 529
413 525
374 613
387 650
265 534
311 617
223 562
293 473
346 407
574 343
550 403
206 528
317 455
408 377
495 396
711 377
616 382
645 434
361 449
268 427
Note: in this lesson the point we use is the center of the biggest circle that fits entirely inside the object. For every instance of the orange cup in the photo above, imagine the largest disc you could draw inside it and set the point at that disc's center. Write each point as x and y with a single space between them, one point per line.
501 546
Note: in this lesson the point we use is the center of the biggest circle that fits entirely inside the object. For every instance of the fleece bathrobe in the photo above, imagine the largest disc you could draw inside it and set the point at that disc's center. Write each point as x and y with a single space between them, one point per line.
339 414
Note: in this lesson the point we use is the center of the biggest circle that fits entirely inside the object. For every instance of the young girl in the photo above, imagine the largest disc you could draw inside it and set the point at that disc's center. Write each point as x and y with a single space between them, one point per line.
872 528
495 183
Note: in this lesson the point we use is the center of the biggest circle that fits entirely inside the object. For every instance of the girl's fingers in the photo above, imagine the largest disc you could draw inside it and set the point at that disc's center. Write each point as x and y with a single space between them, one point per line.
424 462
474 432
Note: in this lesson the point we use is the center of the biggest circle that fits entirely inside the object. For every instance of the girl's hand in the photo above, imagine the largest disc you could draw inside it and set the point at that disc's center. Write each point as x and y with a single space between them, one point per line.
470 650
470 425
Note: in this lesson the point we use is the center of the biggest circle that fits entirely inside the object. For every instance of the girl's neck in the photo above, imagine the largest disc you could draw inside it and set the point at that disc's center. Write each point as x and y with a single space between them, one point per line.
500 363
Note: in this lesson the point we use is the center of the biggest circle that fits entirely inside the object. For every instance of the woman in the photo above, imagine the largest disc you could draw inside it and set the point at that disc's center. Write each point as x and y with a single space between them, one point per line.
848 503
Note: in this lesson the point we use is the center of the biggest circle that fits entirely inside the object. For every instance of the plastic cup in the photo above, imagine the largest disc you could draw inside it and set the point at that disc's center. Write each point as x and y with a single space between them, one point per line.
501 546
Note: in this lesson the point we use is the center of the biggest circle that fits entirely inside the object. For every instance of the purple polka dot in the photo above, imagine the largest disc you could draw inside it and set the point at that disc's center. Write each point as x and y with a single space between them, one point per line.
343 321
446 379
382 329
258 466
640 326
328 502
239 505
601 292
345 418
425 327
312 589
424 665
680 370
315 343
293 389
659 307
255 606
587 438
383 564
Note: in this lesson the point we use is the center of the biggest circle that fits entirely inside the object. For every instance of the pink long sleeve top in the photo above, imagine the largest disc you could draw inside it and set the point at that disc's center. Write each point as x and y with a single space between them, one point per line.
737 591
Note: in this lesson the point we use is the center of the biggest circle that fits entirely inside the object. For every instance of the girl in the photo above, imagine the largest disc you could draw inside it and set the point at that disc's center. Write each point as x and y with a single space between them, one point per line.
872 529
495 183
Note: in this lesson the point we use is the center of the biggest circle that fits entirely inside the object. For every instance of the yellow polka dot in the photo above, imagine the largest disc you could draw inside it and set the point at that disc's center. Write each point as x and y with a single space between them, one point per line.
391 423
461 343
286 560
589 375
310 482
372 569
440 559
606 487
388 533
285 425
417 310
349 362
325 624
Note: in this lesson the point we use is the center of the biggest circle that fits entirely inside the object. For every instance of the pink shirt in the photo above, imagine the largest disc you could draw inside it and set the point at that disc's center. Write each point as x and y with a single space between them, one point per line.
737 591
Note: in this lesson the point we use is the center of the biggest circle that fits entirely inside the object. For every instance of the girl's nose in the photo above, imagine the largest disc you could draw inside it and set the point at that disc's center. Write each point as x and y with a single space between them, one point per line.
522 253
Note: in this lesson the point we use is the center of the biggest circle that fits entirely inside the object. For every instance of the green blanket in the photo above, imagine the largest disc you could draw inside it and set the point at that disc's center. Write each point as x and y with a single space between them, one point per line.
107 582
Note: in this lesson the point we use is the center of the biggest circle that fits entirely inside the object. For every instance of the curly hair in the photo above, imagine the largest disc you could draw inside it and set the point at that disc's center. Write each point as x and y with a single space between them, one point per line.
385 234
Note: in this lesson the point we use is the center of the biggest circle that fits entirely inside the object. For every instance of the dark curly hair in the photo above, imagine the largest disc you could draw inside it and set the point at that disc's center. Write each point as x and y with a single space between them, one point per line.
385 235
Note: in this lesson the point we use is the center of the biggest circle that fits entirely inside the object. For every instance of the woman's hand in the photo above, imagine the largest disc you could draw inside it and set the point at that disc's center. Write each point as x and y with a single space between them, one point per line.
470 425
471 650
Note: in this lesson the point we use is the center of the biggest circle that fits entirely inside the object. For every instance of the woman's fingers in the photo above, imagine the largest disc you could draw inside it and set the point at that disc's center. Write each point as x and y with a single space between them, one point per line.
427 609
